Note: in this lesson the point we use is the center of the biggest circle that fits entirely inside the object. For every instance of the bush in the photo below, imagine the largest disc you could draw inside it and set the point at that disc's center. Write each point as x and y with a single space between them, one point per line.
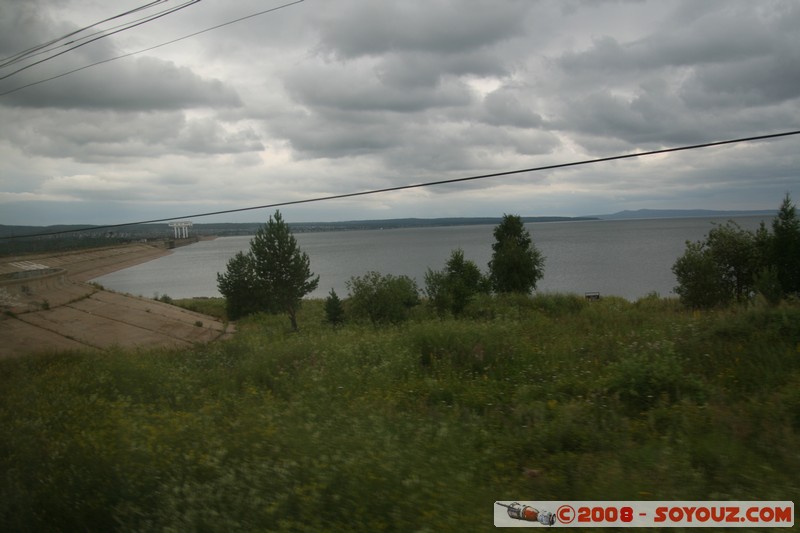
733 264
382 298
207 306
462 347
656 375
699 278
559 304
451 289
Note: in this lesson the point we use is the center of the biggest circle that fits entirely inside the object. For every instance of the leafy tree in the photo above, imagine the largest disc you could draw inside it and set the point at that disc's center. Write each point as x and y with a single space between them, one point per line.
382 298
452 288
768 285
732 263
720 269
735 253
516 264
784 247
273 276
699 278
334 310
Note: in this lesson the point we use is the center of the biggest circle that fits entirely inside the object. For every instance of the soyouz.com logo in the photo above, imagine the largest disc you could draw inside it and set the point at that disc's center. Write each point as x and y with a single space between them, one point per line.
644 514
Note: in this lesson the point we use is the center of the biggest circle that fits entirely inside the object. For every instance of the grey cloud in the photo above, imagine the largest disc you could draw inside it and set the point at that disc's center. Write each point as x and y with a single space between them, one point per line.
316 136
715 69
86 135
459 148
757 82
702 37
503 108
99 136
445 26
131 83
134 84
419 69
357 89
209 137
359 94
652 116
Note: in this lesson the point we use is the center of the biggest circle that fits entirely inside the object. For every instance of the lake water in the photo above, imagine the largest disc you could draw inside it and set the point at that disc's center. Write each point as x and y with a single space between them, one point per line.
629 258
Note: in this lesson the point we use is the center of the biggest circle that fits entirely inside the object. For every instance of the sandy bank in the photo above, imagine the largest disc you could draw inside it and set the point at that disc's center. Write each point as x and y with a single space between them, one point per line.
47 305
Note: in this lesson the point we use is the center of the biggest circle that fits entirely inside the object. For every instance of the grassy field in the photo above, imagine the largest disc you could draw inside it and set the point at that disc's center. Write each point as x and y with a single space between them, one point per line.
417 427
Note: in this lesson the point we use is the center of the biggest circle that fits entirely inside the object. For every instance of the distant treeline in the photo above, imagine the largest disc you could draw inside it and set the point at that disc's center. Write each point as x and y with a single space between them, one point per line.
29 239
16 240
399 223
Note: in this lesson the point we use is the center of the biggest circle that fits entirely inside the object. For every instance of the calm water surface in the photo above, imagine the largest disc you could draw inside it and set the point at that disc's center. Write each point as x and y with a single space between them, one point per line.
628 258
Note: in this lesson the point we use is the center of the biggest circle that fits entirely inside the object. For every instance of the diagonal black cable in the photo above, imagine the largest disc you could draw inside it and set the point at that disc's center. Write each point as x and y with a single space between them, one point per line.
425 184
45 50
103 36
150 48
25 53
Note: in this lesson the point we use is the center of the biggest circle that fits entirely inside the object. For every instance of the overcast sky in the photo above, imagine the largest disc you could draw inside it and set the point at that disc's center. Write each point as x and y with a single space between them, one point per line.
337 96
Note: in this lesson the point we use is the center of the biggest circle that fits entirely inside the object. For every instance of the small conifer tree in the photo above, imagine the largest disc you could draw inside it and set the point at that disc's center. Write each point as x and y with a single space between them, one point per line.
273 276
334 310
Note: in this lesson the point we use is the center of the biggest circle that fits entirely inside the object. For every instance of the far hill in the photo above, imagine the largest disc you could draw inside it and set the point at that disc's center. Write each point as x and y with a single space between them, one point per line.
681 213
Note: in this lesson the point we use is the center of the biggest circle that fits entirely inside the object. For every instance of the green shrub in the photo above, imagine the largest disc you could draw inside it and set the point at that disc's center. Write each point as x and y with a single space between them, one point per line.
653 374
164 298
461 347
382 299
559 304
207 306
506 306
451 289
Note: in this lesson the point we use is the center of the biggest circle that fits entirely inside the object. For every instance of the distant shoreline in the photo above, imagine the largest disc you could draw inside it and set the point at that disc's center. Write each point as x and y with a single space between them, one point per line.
140 232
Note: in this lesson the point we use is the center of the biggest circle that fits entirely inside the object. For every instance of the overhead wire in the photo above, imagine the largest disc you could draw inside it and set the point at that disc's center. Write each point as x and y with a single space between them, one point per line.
134 24
421 185
24 53
54 45
240 19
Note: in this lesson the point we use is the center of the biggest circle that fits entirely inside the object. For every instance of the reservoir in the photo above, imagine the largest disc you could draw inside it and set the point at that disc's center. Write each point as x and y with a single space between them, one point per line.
627 258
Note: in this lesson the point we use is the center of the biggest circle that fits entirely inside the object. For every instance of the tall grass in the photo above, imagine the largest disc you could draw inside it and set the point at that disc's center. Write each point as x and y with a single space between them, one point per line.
420 426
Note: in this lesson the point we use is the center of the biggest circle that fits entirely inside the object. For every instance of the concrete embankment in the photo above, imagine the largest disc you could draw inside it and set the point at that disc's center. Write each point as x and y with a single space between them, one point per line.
47 305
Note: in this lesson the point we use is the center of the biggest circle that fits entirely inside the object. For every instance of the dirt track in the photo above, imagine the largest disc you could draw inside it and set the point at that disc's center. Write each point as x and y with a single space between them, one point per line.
47 305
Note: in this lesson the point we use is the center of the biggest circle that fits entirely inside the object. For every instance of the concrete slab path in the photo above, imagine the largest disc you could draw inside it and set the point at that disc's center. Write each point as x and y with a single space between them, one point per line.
47 306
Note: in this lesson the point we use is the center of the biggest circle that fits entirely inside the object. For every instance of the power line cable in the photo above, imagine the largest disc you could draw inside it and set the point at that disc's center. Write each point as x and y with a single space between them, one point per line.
152 47
47 48
425 184
103 36
21 55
